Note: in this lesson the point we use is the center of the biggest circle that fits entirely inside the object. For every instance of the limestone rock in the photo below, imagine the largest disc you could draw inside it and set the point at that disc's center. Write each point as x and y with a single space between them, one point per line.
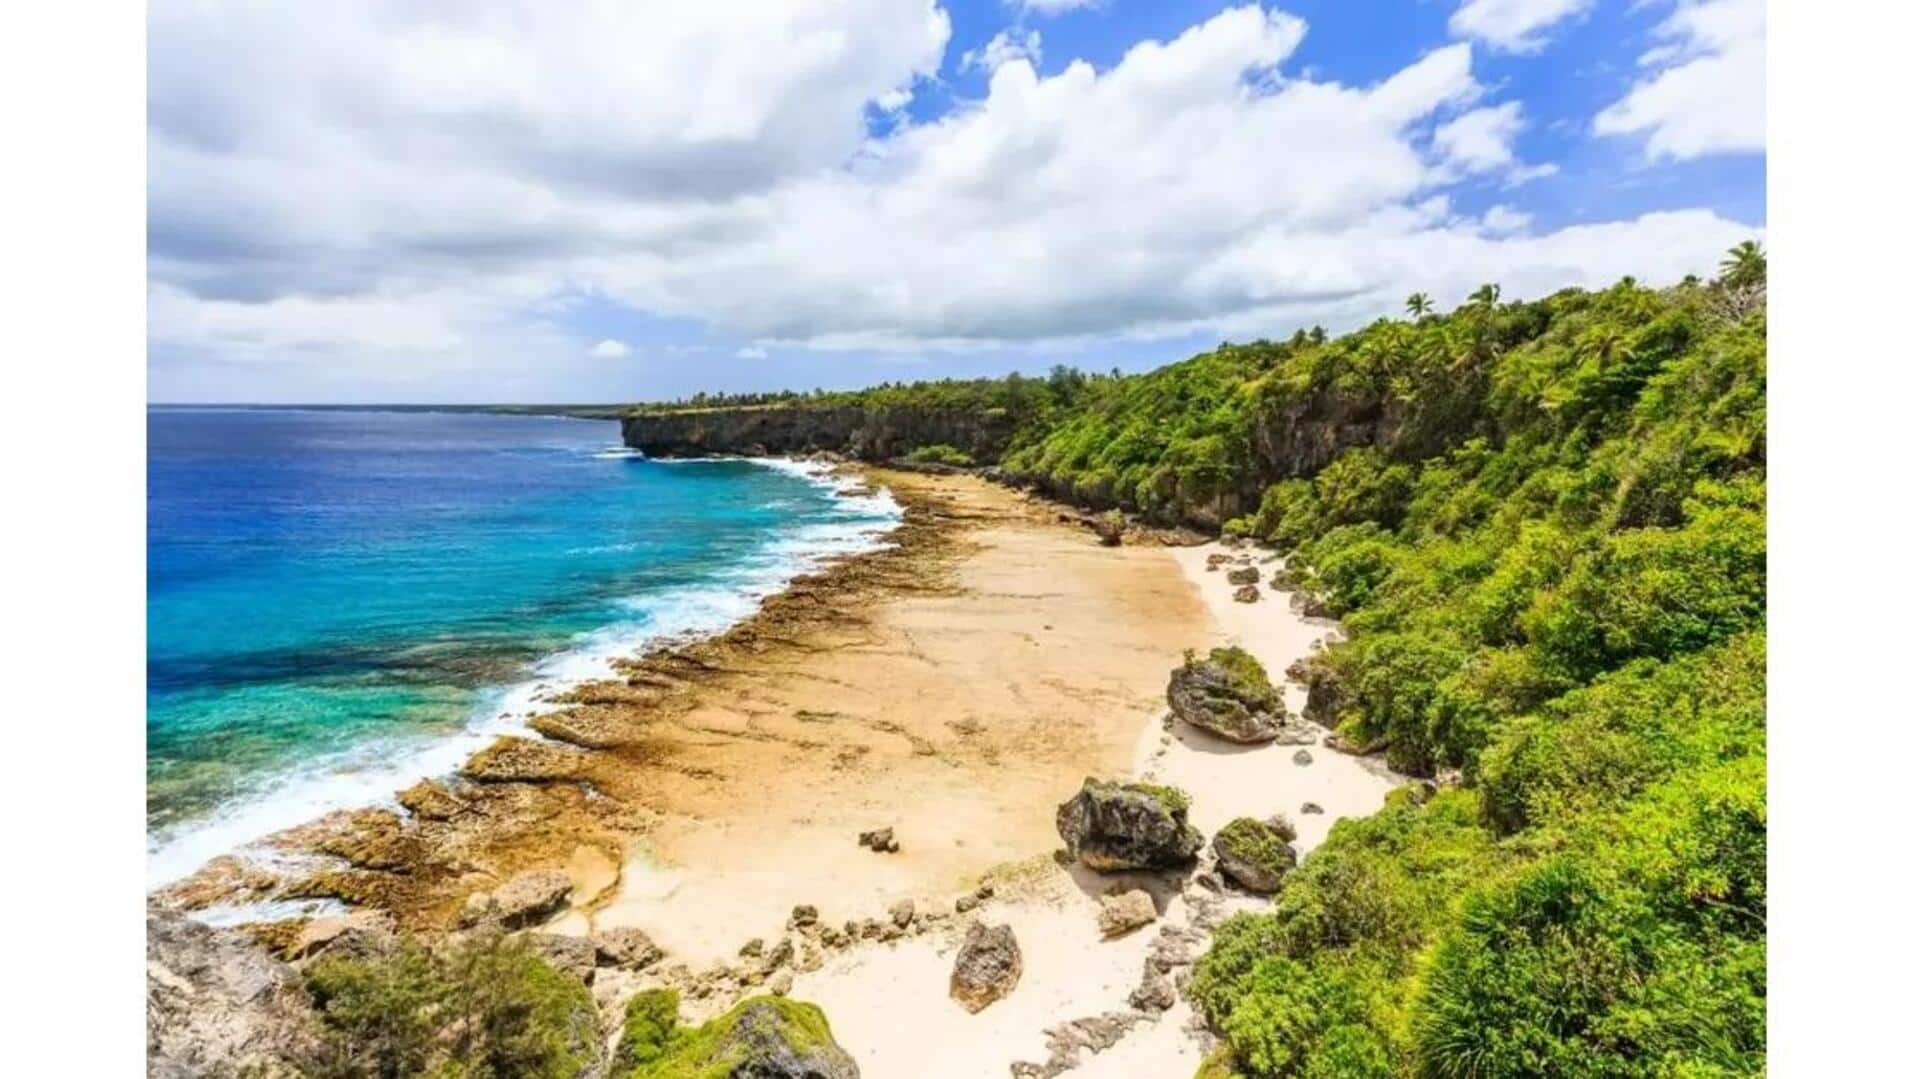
359 934
987 967
1125 912
880 841
526 899
625 948
901 913
218 1005
522 760
570 954
429 800
1253 855
1112 826
1227 695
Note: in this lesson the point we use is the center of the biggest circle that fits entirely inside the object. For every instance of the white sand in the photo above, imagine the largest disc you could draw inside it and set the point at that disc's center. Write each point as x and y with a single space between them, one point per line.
888 1003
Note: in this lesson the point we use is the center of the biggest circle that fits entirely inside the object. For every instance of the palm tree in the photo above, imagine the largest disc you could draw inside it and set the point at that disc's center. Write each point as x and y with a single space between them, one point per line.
1419 305
1485 296
1744 266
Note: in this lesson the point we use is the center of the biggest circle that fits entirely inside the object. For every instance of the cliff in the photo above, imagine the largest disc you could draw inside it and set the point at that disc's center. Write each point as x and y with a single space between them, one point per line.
870 433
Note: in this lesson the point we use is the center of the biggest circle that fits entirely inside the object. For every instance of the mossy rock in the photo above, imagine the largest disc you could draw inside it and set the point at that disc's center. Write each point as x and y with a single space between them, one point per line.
1113 826
1227 695
763 1037
1253 855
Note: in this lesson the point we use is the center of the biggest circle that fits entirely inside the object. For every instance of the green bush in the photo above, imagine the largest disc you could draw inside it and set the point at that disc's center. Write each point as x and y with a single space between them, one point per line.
939 453
486 1008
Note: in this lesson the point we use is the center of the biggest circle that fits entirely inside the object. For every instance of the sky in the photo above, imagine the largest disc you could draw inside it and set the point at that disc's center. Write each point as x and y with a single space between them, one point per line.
557 201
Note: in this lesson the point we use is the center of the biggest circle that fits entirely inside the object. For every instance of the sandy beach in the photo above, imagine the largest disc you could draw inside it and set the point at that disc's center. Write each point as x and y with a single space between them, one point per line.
954 687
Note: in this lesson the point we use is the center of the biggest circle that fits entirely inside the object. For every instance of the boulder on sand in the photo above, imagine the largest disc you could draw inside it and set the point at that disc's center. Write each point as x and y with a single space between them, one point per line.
1253 855
762 1037
625 947
1228 696
1114 826
1244 575
1124 912
987 968
1246 593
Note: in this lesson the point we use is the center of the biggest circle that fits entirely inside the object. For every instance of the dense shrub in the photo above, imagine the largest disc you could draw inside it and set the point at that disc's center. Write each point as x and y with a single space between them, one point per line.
485 1008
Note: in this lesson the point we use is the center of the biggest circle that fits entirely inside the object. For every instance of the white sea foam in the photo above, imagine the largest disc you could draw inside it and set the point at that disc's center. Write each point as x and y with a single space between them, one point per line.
369 775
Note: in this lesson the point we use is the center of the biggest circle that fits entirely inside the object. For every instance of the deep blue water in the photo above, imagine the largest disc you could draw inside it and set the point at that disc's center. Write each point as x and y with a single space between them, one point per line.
340 601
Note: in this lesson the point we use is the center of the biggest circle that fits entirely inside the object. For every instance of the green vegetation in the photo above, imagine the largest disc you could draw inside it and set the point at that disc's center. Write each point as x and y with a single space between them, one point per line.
1247 677
1257 844
1543 524
654 1046
939 453
486 1008
1564 599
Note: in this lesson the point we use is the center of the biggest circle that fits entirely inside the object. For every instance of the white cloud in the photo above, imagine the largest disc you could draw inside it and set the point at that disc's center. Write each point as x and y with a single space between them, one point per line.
1512 25
1502 220
610 349
1706 87
1006 46
1052 7
338 188
751 352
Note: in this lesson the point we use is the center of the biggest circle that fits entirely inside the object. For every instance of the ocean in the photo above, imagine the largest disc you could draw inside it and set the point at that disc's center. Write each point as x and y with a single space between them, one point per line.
339 602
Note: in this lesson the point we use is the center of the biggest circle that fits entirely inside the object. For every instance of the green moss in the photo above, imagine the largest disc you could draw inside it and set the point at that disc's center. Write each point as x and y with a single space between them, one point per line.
487 1007
647 1032
1251 841
1247 676
710 1051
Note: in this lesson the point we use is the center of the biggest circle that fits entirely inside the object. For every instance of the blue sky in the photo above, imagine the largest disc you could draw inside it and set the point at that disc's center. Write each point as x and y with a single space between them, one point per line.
504 201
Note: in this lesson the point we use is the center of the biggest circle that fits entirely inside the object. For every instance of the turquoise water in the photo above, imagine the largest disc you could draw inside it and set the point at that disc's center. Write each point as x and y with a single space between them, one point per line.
339 602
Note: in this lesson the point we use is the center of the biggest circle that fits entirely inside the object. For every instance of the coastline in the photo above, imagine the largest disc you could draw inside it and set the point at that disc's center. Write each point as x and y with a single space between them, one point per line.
953 684
254 830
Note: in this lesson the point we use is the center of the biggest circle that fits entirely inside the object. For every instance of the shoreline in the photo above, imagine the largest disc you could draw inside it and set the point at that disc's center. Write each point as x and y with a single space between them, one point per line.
954 684
250 829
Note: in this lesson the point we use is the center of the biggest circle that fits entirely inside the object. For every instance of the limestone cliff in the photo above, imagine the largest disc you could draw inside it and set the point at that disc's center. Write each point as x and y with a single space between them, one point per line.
868 433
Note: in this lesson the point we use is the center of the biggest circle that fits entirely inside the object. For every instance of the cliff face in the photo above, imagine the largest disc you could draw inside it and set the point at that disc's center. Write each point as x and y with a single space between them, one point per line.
870 434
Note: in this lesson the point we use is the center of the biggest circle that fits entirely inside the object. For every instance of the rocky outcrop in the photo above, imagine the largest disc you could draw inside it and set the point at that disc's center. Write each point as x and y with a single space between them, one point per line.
1115 826
869 434
987 966
1228 696
527 899
625 948
1253 855
218 1005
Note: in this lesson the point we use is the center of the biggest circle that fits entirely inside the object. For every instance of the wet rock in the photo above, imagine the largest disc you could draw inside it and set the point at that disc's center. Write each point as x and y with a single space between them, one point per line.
1253 856
625 948
430 800
522 760
1113 826
987 966
526 899
1228 696
1125 912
